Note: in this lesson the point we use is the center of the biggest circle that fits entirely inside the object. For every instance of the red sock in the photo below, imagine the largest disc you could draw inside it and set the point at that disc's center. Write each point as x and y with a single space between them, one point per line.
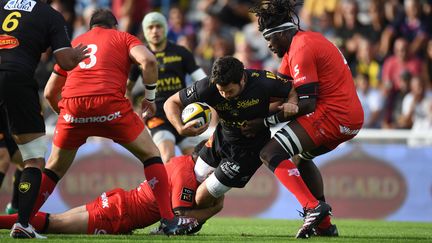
325 223
157 178
7 221
39 221
48 183
289 176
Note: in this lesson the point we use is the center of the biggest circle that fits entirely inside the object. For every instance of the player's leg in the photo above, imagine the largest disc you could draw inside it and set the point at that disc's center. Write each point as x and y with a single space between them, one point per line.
165 141
290 140
74 221
147 152
187 144
12 207
58 163
4 162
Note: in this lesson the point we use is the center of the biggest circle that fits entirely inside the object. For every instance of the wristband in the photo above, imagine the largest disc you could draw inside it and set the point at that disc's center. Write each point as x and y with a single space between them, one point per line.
150 92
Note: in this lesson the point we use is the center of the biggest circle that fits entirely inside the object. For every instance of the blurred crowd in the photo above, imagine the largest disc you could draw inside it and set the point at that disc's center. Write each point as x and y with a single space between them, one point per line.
387 44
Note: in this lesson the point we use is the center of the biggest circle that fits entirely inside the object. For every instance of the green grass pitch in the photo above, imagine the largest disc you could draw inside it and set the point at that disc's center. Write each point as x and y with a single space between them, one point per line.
262 230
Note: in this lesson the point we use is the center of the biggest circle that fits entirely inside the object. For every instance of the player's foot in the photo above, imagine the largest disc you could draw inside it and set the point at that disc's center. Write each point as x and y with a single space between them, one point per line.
20 232
331 231
312 218
10 210
178 225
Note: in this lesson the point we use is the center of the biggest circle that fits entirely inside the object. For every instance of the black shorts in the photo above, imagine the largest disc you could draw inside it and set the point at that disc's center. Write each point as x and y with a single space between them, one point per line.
19 102
234 165
164 125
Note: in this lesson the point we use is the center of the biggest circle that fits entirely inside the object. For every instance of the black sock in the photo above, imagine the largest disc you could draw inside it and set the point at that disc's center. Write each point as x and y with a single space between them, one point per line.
15 192
28 192
2 176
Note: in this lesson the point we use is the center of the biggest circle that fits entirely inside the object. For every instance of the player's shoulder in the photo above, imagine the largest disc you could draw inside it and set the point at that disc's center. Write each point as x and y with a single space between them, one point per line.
259 75
175 48
180 163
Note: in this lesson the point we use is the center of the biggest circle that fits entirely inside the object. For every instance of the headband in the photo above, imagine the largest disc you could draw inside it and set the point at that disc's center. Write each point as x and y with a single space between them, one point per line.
282 27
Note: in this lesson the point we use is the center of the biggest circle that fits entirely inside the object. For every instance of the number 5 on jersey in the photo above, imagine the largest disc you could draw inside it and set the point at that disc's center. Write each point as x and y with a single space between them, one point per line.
92 52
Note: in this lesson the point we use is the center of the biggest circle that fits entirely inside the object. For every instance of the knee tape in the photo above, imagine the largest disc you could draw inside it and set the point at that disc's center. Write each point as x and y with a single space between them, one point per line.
202 170
215 187
34 149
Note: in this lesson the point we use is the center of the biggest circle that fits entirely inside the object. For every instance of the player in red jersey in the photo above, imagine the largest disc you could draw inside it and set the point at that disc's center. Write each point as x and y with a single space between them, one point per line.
93 104
119 211
329 110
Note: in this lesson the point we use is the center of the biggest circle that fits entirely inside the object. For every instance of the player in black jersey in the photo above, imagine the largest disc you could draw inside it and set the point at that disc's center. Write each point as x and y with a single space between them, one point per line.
231 156
174 63
28 28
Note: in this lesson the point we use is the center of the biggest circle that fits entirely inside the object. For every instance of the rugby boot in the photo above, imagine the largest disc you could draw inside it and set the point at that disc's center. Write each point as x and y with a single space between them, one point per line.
179 225
312 218
20 232
331 231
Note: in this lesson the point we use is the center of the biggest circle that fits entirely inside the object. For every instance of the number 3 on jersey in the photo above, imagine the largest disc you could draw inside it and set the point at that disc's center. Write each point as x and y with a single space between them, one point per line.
92 51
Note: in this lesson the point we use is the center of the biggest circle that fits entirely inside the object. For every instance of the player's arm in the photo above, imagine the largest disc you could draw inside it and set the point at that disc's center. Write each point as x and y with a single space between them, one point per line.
202 214
68 58
132 78
148 63
52 92
173 107
196 72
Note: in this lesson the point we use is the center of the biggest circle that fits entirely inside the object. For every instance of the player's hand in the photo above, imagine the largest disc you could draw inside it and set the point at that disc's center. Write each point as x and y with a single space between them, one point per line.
80 52
191 128
148 109
289 109
250 128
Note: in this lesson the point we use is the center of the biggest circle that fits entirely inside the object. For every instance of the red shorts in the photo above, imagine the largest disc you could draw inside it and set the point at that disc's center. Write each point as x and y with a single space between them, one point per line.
325 130
103 116
108 214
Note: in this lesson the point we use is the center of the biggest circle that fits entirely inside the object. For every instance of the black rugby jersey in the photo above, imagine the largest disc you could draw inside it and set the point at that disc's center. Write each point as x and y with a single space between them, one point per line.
173 64
253 102
28 28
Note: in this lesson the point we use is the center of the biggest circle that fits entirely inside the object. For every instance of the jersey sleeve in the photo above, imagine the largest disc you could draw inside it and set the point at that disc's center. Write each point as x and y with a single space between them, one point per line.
59 71
183 185
277 87
59 37
131 41
197 92
302 67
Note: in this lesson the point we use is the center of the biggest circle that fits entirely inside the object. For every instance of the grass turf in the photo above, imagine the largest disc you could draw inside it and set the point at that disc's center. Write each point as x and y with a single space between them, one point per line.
262 230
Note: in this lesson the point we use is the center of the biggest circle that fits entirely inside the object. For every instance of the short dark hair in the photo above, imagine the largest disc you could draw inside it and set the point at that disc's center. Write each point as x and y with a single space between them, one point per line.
103 17
227 70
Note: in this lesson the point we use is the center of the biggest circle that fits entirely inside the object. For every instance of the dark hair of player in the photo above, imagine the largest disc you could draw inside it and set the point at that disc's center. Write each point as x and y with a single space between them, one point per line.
272 13
103 18
227 70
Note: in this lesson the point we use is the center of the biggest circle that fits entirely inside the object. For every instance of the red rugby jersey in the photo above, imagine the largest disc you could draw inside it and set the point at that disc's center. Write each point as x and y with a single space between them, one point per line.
106 70
313 58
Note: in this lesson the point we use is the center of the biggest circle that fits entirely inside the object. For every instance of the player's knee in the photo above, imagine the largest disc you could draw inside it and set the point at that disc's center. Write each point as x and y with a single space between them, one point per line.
202 170
34 149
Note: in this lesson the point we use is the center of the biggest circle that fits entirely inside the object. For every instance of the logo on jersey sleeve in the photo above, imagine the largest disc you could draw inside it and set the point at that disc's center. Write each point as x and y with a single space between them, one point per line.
190 91
23 5
187 194
8 42
296 73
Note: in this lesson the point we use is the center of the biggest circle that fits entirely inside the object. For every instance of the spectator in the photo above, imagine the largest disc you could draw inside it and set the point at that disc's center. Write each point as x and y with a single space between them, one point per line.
371 101
180 28
130 13
411 26
397 69
427 66
314 10
417 107
366 64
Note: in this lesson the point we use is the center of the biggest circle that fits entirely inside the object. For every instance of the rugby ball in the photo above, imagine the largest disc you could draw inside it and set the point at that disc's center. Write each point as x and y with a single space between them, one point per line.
196 111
